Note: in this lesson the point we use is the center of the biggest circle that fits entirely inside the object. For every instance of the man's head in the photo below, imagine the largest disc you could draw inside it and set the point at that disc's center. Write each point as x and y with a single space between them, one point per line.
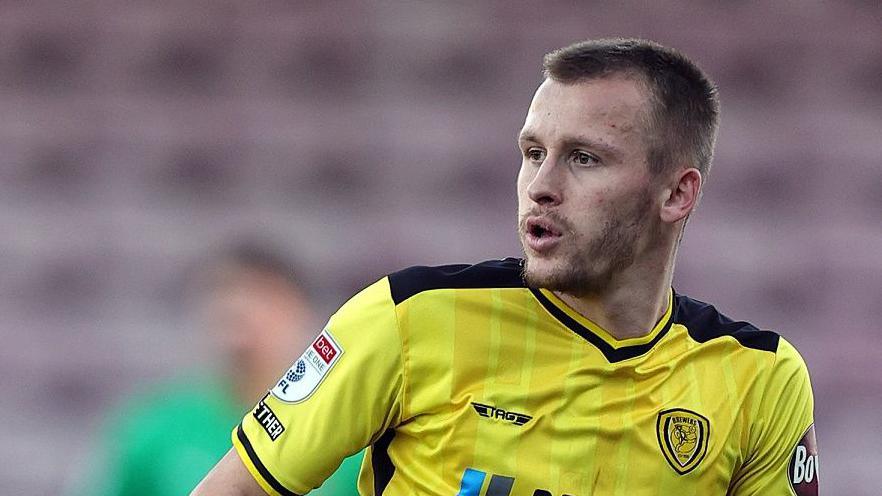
614 146
253 307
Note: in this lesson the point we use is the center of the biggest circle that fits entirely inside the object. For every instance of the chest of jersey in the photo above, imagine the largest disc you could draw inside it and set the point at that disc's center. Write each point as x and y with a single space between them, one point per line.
505 400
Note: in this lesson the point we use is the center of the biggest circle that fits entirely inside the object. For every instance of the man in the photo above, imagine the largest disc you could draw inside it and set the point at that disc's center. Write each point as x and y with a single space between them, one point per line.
254 314
576 371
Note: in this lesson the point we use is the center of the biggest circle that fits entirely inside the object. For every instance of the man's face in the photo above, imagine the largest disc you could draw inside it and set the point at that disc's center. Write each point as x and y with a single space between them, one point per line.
257 320
585 195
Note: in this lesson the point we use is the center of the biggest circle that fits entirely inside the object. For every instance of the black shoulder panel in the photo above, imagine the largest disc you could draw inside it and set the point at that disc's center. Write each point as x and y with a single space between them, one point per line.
704 323
491 274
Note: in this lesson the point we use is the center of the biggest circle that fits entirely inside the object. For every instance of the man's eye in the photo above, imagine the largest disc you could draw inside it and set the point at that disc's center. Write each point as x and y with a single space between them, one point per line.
535 154
584 158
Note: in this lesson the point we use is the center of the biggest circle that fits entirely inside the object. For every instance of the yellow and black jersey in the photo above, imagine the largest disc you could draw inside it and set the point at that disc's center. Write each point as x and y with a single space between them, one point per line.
464 382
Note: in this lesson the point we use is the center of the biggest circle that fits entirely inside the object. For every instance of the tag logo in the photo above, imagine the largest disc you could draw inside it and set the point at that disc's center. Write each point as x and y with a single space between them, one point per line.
268 420
301 380
803 468
492 412
683 437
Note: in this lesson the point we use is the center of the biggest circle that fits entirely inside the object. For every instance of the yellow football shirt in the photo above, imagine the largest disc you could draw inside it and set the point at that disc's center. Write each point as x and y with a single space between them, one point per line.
464 382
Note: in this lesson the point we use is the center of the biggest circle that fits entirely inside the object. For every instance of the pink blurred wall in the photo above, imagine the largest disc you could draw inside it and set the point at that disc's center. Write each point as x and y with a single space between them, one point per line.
134 136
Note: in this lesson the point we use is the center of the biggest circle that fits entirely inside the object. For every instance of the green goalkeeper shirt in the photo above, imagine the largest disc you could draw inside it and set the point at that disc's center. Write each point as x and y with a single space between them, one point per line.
163 444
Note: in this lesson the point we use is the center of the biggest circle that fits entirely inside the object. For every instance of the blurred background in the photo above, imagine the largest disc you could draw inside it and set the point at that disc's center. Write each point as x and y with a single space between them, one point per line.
136 137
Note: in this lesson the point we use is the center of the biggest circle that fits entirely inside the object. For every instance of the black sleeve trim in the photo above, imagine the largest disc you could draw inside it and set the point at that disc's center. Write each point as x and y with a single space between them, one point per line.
491 274
381 464
704 323
267 476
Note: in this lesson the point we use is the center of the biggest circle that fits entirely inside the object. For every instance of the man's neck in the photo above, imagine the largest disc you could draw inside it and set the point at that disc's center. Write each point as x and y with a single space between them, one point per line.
632 305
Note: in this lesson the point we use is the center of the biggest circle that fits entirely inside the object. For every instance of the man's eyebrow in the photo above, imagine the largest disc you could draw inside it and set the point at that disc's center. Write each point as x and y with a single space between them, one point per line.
581 142
526 136
575 142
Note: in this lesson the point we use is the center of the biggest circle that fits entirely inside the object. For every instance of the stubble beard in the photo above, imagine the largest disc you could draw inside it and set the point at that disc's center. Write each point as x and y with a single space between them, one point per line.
589 266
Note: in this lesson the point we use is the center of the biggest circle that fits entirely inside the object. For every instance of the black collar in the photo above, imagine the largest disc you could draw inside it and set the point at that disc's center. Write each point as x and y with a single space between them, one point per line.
612 353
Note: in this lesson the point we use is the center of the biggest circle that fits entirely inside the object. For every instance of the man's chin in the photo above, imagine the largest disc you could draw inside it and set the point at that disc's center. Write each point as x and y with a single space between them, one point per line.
558 275
541 272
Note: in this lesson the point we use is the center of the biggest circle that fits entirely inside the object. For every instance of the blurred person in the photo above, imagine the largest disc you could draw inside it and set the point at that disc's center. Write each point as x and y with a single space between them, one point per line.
576 370
254 312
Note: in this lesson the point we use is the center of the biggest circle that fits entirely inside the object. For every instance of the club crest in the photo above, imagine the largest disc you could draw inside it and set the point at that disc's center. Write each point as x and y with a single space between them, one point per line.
683 437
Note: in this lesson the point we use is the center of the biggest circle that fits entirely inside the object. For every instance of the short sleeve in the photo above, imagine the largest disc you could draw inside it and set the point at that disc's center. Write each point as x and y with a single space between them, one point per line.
783 457
339 396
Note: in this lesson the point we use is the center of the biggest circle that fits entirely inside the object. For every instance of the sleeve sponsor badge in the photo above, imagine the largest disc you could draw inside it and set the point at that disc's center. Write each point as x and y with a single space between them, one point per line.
803 468
302 379
268 419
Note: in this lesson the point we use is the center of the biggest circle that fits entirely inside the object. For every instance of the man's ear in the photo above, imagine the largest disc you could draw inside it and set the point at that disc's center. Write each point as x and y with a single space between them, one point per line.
682 195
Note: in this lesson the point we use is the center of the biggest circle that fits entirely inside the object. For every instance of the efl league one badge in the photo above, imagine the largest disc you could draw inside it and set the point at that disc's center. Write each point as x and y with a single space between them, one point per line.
302 379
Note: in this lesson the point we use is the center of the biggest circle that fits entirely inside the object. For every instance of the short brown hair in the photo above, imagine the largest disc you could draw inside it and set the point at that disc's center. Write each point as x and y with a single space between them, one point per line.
686 107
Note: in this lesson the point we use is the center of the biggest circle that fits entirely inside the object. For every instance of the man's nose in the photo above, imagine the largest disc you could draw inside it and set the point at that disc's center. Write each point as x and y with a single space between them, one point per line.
546 187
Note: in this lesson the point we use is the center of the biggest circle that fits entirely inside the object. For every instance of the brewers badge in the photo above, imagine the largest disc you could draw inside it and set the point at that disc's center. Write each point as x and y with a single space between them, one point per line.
682 436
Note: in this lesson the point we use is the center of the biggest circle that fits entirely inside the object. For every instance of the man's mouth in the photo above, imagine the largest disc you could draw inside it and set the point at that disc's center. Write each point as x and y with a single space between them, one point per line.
541 234
541 228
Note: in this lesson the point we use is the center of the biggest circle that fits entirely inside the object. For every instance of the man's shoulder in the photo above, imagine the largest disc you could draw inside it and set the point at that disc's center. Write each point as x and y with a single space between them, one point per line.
705 323
504 273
